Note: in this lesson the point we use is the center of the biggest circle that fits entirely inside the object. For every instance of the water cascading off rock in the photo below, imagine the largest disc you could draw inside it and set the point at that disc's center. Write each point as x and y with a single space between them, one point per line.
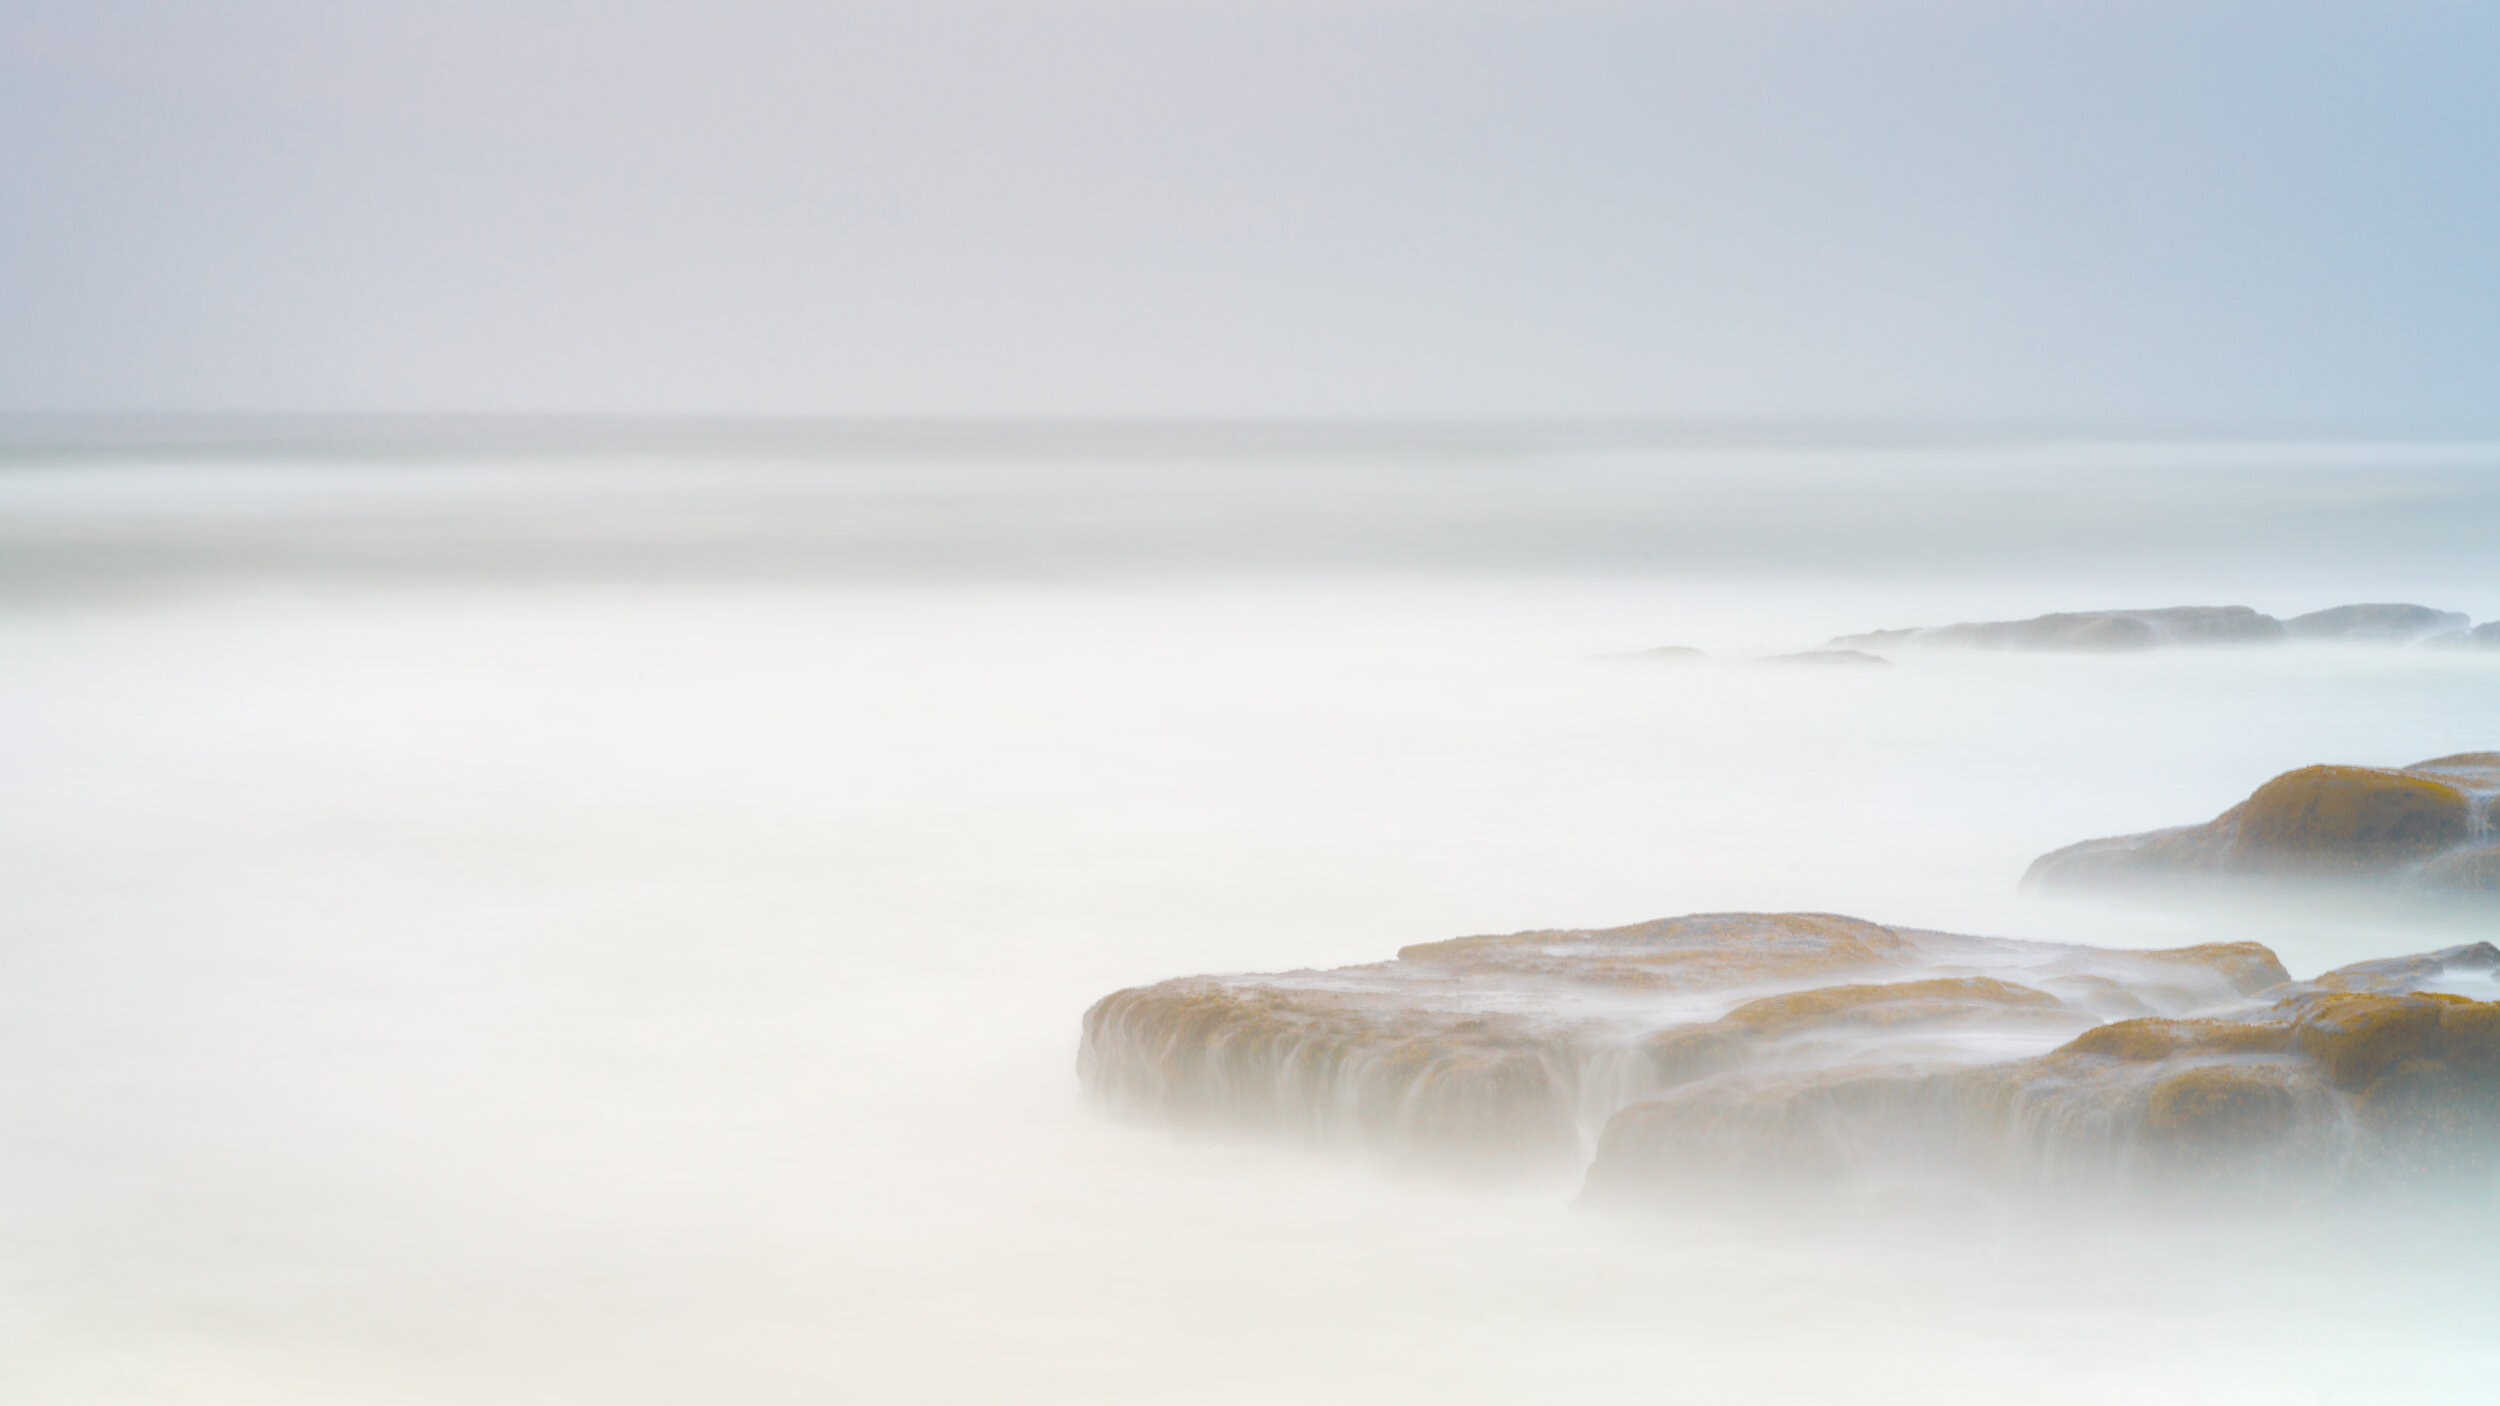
1823 1052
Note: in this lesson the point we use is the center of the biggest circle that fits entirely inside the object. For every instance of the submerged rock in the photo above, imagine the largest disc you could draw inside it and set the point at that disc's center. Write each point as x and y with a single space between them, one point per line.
2099 631
1774 1050
2426 826
2375 624
2466 871
1663 654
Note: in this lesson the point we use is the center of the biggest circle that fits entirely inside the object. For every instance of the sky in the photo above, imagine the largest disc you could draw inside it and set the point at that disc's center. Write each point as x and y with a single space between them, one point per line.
2227 217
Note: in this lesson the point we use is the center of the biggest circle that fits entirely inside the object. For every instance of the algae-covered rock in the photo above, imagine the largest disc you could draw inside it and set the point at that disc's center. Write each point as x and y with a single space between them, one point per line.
2098 631
2304 1090
1701 952
2427 826
1955 999
1875 1022
2350 819
2224 1112
2375 624
2152 1038
1814 1053
2058 1123
1512 1050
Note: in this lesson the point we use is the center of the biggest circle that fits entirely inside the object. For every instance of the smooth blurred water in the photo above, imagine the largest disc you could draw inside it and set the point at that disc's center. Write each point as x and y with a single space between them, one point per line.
611 927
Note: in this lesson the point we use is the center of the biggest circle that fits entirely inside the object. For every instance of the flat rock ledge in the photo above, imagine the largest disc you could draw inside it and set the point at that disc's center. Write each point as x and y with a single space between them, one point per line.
1758 1051
2427 827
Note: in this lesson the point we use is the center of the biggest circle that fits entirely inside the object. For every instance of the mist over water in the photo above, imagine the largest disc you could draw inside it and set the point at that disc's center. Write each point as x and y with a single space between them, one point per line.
509 913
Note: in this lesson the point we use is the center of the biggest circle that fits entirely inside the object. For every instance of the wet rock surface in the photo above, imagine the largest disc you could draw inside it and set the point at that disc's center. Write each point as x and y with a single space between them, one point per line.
2387 1072
1813 1050
2426 827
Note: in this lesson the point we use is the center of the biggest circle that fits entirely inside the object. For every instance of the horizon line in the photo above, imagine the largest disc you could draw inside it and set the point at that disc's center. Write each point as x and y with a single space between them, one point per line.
37 431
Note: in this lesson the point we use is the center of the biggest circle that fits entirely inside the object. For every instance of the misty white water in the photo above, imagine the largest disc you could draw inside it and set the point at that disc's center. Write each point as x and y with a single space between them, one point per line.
553 929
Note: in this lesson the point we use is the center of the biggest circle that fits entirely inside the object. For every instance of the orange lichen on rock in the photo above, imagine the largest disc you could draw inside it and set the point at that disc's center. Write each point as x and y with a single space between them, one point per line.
2348 819
2424 1073
1894 1003
2250 967
1704 949
2428 824
2469 1033
1780 1048
2319 1088
1850 1015
2221 1105
1689 1052
2358 1036
2143 1041
2362 1037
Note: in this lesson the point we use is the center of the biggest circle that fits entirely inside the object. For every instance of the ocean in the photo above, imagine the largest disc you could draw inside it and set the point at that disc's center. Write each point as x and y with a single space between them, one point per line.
590 911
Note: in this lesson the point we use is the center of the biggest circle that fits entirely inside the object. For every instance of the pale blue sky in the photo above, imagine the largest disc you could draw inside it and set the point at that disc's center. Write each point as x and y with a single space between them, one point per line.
2148 216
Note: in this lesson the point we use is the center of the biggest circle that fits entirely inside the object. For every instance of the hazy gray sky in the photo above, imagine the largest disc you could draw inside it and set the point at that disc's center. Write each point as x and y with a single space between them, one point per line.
2223 215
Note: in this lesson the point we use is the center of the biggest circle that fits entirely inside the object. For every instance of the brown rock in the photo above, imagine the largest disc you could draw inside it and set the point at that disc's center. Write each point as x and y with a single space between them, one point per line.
2348 819
2149 1040
1511 1049
1814 1051
2221 1105
2425 825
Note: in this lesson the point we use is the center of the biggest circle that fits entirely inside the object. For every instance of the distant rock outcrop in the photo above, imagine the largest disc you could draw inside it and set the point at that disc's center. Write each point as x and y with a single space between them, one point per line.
1685 654
2428 826
2375 624
2096 631
1784 1050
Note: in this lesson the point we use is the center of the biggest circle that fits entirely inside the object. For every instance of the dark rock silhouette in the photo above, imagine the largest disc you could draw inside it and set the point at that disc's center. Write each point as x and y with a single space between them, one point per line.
2375 624
2099 631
